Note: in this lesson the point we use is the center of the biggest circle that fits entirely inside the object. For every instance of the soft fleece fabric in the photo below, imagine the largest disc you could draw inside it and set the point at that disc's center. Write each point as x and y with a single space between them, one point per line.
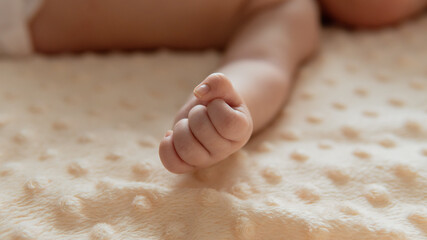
346 159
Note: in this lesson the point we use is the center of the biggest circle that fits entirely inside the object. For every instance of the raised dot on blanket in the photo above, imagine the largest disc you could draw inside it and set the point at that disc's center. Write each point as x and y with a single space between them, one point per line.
382 78
70 204
78 168
387 142
337 175
113 156
142 203
339 106
102 231
370 114
314 118
264 147
349 210
37 184
271 201
361 92
241 190
127 105
319 232
147 142
8 169
271 175
308 193
413 126
307 95
419 219
48 154
290 135
377 195
36 109
4 120
325 144
299 155
24 232
350 131
245 228
417 85
86 138
361 154
395 102
22 136
405 172
142 168
330 82
59 125
403 61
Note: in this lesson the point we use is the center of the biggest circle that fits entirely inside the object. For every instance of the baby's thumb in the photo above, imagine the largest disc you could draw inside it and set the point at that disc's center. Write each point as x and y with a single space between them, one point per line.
217 85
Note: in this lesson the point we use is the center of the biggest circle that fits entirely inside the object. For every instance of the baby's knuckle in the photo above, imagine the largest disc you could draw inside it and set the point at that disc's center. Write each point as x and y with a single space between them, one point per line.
196 119
180 126
196 112
219 101
199 107
235 126
216 78
215 104
181 122
243 121
217 107
231 120
181 147
227 124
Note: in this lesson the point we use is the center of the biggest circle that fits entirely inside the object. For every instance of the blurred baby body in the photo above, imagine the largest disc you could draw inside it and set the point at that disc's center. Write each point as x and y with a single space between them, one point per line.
79 25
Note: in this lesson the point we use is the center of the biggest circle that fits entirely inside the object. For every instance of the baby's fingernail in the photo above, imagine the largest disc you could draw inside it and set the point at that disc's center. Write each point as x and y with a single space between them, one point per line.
201 90
168 133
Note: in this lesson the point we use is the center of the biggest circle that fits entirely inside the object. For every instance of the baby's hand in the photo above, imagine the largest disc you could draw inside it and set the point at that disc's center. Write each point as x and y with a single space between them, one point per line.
209 128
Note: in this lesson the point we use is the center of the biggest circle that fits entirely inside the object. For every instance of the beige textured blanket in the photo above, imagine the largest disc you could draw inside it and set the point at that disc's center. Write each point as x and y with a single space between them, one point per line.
347 158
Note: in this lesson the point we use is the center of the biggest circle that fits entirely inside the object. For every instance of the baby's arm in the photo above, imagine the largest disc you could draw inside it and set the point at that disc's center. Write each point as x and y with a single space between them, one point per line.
256 74
266 52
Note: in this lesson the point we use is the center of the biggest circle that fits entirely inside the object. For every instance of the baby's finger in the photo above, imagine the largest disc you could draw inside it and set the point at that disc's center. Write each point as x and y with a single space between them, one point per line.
170 158
183 112
188 147
203 129
232 124
217 85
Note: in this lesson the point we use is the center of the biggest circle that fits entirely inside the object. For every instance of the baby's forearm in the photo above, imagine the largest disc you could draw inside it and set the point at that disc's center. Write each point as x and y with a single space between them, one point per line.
265 53
262 85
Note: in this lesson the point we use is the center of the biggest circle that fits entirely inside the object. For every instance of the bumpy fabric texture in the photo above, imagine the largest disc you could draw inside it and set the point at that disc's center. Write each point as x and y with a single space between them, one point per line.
346 158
